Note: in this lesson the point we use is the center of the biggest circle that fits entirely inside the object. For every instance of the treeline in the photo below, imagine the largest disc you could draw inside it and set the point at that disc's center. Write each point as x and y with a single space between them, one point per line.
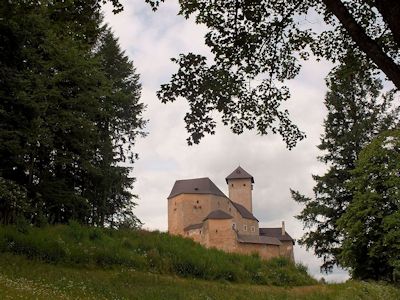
70 113
353 219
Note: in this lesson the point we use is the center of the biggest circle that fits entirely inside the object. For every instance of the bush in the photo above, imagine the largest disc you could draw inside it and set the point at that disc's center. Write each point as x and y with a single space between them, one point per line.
74 244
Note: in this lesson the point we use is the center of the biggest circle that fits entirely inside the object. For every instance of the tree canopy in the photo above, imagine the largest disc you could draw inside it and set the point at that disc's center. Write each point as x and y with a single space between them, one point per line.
65 115
357 112
258 46
370 225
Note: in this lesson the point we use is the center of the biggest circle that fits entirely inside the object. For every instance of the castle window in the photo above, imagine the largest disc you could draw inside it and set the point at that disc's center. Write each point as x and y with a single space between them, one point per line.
244 184
197 201
216 230
252 228
245 227
232 184
233 226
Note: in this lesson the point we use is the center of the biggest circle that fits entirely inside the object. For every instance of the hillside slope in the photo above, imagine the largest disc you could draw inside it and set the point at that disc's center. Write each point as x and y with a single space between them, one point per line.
154 252
21 278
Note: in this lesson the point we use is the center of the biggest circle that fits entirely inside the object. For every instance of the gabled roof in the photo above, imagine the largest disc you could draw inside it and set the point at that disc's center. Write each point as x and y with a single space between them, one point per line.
243 211
257 239
276 233
218 215
239 173
193 226
195 186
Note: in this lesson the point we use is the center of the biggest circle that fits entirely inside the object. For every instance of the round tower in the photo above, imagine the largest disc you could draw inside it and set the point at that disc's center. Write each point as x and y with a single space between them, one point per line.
240 185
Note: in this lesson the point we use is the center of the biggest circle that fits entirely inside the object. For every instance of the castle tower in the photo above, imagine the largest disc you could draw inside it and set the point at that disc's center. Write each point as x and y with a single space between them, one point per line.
240 185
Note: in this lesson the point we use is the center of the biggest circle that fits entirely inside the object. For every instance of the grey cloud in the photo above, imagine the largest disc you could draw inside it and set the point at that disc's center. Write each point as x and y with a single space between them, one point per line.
151 39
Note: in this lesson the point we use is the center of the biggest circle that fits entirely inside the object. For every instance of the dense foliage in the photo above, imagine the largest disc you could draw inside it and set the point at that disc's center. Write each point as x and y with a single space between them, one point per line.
258 45
371 223
357 112
146 251
69 103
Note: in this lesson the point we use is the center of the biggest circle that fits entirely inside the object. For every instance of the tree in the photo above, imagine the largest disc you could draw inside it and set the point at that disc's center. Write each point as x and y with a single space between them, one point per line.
357 112
265 41
371 244
119 124
65 115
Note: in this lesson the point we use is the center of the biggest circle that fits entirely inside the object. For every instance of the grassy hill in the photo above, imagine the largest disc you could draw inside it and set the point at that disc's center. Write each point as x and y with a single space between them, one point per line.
74 262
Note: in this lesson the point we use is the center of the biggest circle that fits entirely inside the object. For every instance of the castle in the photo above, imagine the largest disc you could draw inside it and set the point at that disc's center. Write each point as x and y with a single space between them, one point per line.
198 209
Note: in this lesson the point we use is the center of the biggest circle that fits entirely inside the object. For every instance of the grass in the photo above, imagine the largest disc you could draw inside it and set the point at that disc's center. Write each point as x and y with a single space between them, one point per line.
21 278
153 252
75 262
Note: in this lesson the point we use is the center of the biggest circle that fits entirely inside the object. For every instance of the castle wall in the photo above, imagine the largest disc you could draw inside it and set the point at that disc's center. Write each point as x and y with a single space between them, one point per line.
286 249
240 191
187 209
219 234
265 251
246 226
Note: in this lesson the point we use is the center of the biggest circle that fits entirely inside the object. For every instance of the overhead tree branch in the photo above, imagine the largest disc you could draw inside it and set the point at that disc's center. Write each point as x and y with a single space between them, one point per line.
364 42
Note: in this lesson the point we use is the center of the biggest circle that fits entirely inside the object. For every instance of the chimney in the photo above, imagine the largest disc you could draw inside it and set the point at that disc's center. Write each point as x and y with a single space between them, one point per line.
283 228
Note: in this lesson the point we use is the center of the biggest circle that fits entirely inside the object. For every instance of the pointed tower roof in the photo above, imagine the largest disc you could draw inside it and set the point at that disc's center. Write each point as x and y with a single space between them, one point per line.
239 173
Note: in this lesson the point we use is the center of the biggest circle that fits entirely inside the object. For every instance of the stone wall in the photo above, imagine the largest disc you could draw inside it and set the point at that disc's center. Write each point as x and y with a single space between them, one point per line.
240 191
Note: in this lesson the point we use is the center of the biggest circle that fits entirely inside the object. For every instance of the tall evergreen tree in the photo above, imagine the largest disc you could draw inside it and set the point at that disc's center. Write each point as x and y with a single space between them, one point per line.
357 112
119 123
371 223
63 115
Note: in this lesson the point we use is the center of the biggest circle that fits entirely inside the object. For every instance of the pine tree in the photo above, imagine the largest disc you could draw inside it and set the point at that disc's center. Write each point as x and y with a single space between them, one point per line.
357 112
63 115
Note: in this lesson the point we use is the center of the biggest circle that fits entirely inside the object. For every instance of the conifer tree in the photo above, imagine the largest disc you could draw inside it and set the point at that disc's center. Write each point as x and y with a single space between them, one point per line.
357 112
65 118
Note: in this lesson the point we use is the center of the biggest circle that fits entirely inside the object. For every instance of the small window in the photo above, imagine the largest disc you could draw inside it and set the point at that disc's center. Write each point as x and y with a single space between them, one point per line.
200 231
196 189
216 230
232 184
233 226
252 228
197 201
245 227
244 184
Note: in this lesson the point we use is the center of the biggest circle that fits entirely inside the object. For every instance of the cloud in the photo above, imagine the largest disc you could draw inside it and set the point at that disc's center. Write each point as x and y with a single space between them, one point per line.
150 40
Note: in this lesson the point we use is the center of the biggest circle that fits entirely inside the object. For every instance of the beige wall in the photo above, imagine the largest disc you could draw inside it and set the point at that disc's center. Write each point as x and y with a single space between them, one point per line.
219 234
247 226
240 191
287 249
265 251
187 209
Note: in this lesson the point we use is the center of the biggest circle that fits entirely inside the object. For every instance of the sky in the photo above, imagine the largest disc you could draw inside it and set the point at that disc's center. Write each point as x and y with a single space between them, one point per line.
151 39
